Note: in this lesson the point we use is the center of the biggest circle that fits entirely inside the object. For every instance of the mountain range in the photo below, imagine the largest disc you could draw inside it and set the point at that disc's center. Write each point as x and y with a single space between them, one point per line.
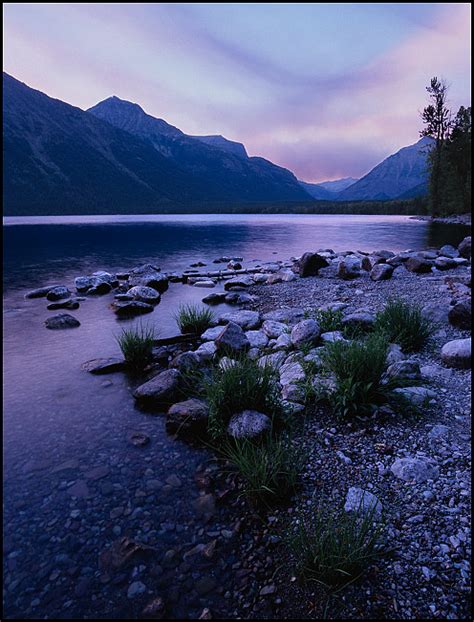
115 159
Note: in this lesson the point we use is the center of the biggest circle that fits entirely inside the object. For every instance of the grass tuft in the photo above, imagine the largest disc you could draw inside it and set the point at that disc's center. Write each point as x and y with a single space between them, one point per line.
335 549
193 318
270 470
329 320
403 323
243 386
358 367
136 345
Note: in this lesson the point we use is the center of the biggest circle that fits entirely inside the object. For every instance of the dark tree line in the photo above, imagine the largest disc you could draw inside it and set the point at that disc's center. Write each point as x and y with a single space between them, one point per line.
449 160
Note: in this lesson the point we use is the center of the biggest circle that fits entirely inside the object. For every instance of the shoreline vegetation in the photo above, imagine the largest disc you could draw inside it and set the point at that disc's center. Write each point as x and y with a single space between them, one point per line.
337 411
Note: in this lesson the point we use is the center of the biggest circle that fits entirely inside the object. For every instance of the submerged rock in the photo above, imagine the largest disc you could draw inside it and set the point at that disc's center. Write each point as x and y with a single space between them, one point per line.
160 390
104 366
187 419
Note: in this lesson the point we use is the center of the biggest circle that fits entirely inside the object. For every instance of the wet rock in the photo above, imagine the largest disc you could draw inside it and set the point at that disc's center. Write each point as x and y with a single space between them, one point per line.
415 469
349 267
214 299
305 332
70 304
457 353
363 501
160 390
460 314
63 320
381 272
41 292
248 424
232 339
310 264
104 366
187 419
144 294
132 308
58 293
79 489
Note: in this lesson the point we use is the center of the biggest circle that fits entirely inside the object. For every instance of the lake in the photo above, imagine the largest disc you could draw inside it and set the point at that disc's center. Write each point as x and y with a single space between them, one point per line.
65 429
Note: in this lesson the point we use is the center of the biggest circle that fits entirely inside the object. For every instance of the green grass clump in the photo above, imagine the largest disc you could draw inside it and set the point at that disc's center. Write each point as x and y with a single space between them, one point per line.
358 367
335 549
270 470
403 323
243 386
193 319
137 346
329 320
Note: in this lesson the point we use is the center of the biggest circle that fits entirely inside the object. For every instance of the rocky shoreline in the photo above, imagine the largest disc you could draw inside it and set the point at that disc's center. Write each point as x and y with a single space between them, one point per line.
417 468
456 219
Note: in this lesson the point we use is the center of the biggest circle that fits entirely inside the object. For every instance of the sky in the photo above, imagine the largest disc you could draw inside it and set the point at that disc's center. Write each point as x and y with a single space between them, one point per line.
326 90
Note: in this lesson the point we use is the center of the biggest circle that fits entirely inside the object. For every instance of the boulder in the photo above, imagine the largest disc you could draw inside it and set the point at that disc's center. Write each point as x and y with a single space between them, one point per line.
211 333
291 315
41 292
248 424
64 304
445 263
274 329
416 395
310 264
206 351
305 332
144 294
100 288
460 314
283 342
418 264
381 272
241 281
204 283
187 419
232 339
214 299
58 293
436 312
349 267
362 501
104 366
247 320
291 373
161 390
257 338
131 308
449 251
464 248
359 319
408 370
63 320
273 360
457 353
148 276
415 469
185 361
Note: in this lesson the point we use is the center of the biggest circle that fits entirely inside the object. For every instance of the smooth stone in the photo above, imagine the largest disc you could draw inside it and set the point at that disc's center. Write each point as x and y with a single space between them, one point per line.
160 390
144 294
457 353
349 267
464 248
418 265
63 320
274 329
187 419
242 281
360 319
206 351
332 336
381 272
460 314
305 332
214 299
211 333
291 315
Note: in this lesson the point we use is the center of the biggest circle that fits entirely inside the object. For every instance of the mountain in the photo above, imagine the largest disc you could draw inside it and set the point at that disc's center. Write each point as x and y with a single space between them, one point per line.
338 185
220 142
221 164
59 159
394 176
316 191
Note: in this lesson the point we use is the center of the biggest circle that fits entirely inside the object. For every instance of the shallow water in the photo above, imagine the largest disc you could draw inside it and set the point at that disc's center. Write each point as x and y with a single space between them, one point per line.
54 412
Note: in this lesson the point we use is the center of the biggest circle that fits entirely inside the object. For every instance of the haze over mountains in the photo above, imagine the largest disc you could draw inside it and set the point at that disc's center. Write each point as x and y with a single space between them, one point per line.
115 159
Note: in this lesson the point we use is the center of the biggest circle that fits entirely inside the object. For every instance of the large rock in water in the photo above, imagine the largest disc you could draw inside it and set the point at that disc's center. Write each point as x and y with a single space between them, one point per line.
457 353
241 281
148 276
104 366
305 332
160 390
58 293
349 267
187 419
310 264
248 424
460 314
465 248
63 320
40 292
232 339
144 294
134 307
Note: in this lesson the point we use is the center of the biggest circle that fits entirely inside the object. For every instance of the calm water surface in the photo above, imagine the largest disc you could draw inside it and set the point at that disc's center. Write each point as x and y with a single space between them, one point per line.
54 412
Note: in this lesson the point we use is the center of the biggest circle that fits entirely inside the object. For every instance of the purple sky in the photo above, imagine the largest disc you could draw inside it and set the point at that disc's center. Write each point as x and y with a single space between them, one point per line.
326 90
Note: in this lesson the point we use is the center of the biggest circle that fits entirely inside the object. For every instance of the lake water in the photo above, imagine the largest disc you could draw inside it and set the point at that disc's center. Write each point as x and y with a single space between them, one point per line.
64 427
